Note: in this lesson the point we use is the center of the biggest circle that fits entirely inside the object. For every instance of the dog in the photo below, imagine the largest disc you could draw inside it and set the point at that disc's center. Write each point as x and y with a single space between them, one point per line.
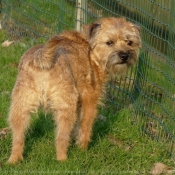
67 76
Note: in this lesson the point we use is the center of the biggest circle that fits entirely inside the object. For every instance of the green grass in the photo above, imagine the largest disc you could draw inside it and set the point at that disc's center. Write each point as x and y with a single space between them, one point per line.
118 145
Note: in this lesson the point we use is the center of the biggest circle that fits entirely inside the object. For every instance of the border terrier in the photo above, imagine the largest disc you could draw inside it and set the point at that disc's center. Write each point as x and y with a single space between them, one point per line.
67 75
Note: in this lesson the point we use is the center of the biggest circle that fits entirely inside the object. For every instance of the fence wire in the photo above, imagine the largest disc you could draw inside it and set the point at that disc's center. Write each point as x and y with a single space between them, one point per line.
149 89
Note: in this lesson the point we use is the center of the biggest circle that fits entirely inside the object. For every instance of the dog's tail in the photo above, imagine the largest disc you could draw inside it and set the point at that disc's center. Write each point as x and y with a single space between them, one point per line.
44 57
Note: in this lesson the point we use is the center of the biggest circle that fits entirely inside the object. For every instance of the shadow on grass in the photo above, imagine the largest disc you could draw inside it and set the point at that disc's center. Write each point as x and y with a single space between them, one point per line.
41 127
102 127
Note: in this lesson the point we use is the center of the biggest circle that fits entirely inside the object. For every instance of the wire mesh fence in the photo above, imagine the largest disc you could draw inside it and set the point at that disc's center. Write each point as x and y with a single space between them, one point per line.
147 90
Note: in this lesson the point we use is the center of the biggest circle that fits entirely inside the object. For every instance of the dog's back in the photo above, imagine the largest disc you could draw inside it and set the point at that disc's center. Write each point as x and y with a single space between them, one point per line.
62 63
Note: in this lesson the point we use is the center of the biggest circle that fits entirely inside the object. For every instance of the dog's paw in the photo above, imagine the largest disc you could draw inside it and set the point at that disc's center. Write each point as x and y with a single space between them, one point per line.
14 159
61 157
82 144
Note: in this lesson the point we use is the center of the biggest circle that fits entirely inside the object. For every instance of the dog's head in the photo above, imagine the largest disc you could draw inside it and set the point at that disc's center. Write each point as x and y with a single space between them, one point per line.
114 44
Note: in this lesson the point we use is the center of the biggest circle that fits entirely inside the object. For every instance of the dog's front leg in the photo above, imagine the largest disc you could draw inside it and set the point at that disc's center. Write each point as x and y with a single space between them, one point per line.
89 112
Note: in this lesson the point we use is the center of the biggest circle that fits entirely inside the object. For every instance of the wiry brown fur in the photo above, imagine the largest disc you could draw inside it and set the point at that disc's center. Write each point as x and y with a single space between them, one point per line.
67 75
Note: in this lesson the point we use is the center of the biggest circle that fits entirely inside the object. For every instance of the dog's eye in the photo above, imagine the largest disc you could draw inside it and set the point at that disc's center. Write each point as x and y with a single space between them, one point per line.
129 43
109 43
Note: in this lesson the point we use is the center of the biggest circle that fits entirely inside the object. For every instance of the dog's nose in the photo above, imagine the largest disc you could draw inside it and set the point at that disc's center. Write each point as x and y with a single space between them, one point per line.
123 56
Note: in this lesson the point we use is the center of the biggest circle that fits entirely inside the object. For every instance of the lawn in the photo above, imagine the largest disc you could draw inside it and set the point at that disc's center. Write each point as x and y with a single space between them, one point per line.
118 145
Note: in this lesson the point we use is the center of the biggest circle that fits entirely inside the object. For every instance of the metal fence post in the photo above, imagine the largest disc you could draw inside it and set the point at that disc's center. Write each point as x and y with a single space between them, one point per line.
81 14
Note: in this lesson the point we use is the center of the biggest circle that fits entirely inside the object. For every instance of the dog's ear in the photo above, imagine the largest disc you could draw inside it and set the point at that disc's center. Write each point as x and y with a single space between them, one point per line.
138 32
137 29
91 30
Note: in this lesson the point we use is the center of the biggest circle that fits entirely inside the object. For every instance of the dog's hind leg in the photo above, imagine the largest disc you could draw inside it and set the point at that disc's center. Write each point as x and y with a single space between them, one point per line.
65 119
19 118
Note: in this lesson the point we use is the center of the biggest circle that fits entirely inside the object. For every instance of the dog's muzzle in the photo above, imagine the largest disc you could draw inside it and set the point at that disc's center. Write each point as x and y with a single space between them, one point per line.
123 56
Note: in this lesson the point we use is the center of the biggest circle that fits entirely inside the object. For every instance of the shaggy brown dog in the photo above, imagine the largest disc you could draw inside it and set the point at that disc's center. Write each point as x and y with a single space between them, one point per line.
67 75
